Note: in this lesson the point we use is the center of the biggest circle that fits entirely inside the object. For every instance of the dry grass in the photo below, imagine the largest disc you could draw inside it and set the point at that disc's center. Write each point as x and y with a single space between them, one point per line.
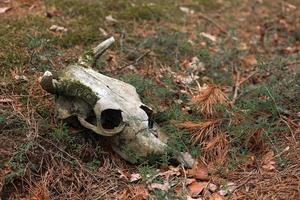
279 183
256 142
212 139
134 192
201 131
208 98
64 180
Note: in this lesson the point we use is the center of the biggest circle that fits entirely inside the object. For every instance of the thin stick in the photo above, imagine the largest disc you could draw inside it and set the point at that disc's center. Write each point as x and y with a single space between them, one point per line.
72 157
185 178
213 22
246 181
238 83
136 60
279 114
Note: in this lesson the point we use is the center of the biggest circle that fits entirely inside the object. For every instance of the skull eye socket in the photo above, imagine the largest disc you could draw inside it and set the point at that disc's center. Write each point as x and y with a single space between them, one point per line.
111 118
149 113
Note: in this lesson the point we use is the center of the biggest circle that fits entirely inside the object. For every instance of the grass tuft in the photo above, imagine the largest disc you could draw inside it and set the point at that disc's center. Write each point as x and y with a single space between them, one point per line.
208 98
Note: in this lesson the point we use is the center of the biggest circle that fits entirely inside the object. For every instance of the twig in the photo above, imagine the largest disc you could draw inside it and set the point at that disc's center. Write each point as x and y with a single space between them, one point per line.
279 114
136 60
185 178
246 180
222 29
238 83
72 157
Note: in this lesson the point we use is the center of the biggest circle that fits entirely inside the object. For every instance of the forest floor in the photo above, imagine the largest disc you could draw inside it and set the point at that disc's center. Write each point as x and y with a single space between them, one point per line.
223 77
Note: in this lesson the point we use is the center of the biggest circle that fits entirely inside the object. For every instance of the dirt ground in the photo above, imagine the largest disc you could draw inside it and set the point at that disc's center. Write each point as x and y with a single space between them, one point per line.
223 77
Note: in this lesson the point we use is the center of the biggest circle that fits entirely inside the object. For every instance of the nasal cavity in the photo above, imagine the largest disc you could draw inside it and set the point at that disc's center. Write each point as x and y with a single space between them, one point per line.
149 113
111 118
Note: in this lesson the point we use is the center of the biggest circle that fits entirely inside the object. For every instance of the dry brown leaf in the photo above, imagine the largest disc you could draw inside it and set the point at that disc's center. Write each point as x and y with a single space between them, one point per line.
134 192
199 171
186 10
196 188
135 177
190 198
215 196
4 9
267 161
56 28
190 181
209 36
110 18
124 175
164 187
250 60
6 100
195 64
212 187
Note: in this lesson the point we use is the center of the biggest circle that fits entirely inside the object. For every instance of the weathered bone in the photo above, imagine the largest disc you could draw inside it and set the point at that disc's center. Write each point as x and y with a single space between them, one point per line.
108 107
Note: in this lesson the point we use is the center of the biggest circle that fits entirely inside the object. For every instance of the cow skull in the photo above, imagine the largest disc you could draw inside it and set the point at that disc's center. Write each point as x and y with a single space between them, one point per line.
108 107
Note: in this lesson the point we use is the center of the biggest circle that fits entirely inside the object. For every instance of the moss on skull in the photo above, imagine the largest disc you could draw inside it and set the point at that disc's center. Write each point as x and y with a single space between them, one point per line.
75 88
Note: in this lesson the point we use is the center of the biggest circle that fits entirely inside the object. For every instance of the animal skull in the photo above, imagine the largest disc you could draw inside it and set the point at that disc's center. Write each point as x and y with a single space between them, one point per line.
108 107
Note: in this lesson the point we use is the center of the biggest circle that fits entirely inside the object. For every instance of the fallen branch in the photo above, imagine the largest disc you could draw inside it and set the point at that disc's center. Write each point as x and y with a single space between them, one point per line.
70 156
222 29
246 180
236 86
238 83
136 61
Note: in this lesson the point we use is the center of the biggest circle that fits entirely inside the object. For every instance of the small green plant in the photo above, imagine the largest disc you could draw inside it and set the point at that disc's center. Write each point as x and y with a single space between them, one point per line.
146 171
19 161
60 134
94 164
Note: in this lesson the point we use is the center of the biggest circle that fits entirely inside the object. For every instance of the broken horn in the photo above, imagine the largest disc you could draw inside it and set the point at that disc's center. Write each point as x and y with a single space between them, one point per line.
48 83
101 48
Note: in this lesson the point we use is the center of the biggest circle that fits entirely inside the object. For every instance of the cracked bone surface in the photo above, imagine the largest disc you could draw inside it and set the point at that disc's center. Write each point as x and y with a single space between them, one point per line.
108 107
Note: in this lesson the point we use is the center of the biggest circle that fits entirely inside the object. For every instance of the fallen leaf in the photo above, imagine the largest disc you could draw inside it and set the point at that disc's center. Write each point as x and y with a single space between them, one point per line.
223 192
196 188
187 159
209 36
227 189
268 162
134 177
186 79
215 196
249 60
243 46
186 10
134 192
56 28
190 181
4 9
290 7
164 187
109 18
199 171
190 198
212 187
123 174
196 65
21 78
104 33
5 100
